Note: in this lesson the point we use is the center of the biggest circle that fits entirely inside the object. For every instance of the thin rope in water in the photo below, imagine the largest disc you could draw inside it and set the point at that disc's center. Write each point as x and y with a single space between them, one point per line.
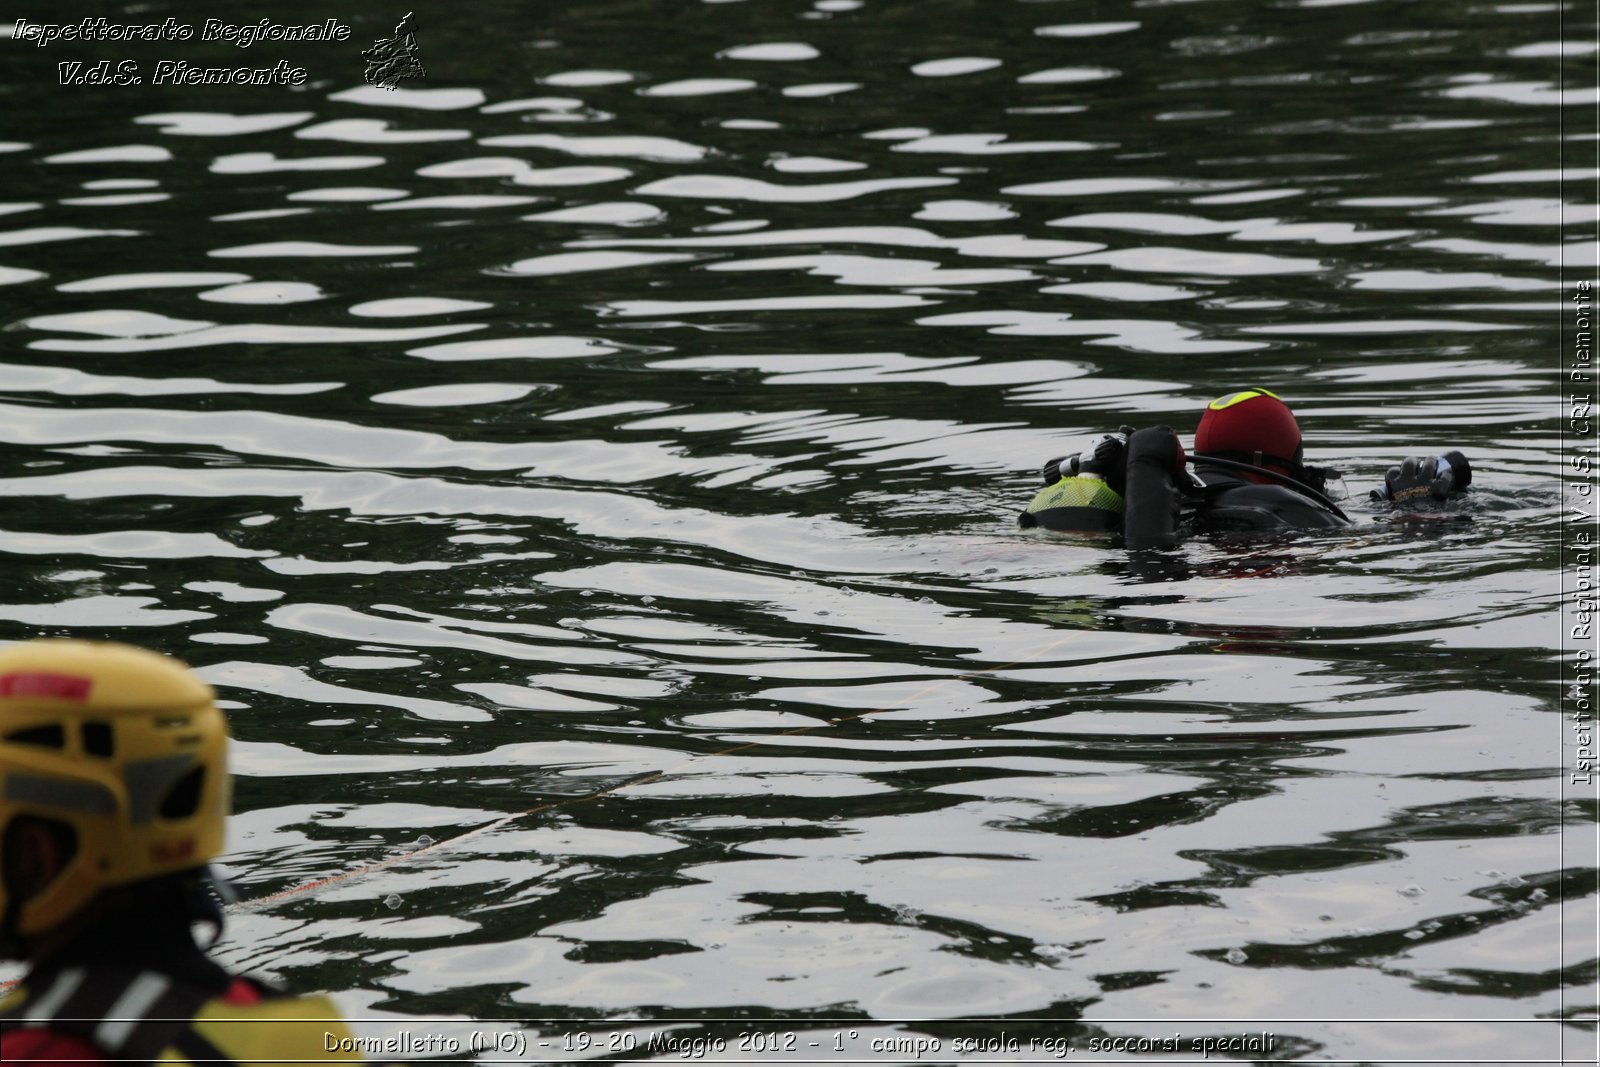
645 779
312 886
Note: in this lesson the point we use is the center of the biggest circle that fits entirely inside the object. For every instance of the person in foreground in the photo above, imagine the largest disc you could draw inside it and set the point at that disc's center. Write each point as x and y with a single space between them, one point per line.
1249 476
113 793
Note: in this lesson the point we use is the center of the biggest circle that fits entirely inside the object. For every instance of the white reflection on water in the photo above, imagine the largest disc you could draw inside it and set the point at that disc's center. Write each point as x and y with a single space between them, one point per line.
664 523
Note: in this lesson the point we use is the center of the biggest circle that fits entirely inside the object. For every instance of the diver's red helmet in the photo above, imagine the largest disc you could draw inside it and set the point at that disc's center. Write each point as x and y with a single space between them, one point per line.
1251 426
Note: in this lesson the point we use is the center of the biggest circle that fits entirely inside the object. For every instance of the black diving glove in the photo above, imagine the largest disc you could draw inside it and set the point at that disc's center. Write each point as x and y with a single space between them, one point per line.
1419 478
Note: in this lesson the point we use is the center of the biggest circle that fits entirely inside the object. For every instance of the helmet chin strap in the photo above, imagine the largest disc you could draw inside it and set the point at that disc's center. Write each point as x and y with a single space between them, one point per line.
208 894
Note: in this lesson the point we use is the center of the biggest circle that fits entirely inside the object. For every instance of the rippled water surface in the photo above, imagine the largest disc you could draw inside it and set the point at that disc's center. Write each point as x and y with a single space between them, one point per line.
622 430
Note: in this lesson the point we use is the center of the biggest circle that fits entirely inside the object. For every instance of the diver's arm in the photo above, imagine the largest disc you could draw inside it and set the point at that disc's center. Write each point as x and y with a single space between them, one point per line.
1150 516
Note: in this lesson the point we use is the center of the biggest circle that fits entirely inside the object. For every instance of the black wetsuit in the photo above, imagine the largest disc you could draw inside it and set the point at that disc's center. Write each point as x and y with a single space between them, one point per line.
1231 502
1160 502
1135 481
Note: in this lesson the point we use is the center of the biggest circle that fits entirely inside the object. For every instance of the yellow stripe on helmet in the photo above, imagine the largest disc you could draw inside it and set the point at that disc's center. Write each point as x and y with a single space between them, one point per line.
1238 398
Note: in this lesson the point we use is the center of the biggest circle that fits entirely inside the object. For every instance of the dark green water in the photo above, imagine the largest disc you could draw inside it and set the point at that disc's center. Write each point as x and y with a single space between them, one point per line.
625 426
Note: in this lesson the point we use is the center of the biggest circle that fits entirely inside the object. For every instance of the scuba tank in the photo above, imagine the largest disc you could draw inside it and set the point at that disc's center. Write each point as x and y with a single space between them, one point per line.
1083 492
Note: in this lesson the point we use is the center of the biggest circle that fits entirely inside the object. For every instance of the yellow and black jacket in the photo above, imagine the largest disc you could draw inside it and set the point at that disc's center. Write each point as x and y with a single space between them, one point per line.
96 1014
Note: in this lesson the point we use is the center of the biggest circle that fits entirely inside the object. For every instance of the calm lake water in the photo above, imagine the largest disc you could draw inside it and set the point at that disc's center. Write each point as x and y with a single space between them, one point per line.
616 438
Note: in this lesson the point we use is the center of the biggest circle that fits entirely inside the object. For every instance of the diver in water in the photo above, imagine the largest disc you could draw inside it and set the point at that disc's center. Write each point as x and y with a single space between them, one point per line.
1249 475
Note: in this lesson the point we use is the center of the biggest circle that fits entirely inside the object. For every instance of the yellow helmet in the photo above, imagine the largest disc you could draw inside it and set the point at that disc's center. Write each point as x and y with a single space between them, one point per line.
124 751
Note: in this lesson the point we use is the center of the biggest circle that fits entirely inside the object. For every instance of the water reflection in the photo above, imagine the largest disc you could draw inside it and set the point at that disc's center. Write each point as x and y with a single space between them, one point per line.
608 469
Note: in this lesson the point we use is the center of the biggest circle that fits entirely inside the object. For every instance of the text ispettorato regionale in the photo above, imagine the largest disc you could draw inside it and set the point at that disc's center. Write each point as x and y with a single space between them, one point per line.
242 34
